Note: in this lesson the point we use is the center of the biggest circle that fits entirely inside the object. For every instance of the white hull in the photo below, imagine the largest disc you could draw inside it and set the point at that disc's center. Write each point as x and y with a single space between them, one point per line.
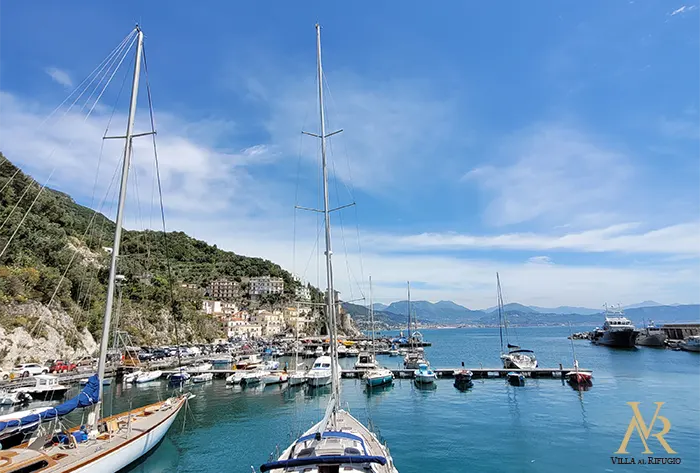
297 379
425 379
131 377
319 379
148 376
521 362
276 378
202 378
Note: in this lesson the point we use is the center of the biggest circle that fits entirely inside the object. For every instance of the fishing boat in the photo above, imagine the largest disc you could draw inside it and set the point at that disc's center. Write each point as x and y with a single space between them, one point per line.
148 376
515 358
339 442
276 377
576 378
202 378
463 379
516 379
691 343
617 332
366 361
100 444
651 336
424 375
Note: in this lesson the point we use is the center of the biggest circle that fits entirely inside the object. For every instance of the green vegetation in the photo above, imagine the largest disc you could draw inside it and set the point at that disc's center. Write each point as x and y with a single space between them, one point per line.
62 241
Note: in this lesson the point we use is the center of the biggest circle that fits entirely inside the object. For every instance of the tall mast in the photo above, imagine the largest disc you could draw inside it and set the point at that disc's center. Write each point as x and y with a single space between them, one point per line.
408 289
327 218
371 311
500 315
120 217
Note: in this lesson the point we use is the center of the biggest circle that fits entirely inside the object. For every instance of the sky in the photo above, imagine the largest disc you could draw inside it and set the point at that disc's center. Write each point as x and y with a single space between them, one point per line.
556 143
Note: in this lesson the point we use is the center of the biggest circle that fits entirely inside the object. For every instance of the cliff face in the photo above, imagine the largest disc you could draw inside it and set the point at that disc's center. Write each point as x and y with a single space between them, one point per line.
30 332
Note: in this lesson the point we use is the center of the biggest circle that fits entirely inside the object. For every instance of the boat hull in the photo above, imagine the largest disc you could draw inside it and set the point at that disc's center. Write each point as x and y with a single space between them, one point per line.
689 347
148 377
318 381
133 450
617 338
297 379
47 395
516 379
656 340
376 381
276 378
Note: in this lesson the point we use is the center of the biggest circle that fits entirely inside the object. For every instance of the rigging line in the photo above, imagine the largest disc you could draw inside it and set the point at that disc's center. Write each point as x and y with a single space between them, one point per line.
162 209
351 187
41 190
115 50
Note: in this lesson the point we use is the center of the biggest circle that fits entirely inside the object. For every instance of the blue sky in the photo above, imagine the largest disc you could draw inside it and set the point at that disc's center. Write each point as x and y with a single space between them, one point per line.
555 143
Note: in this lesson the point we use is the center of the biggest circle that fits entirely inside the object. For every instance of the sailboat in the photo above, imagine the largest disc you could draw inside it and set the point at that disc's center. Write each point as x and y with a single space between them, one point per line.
367 360
414 357
296 376
578 379
102 444
516 358
375 376
339 442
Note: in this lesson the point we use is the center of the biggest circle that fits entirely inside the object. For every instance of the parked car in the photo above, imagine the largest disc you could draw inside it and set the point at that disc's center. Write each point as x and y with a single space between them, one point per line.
61 366
29 369
145 355
86 361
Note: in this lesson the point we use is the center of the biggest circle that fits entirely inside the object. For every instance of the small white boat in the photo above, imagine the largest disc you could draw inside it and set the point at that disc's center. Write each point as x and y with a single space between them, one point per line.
271 365
148 376
424 375
308 354
199 368
253 377
202 377
691 343
131 377
10 398
248 362
319 351
378 377
277 377
352 351
297 378
321 373
342 351
366 361
236 377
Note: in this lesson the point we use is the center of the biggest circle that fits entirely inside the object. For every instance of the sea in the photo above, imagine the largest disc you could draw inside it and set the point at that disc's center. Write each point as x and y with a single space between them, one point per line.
544 426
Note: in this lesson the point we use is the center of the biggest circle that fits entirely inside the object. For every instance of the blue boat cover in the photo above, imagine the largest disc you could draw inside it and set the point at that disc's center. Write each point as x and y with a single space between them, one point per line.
324 460
87 397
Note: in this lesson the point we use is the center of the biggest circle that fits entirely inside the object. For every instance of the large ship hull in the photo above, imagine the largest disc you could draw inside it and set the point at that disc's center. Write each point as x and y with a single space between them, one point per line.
617 338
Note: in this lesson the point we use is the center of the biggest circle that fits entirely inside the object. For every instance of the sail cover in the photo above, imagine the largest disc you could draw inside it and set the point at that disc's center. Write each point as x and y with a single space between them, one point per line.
87 397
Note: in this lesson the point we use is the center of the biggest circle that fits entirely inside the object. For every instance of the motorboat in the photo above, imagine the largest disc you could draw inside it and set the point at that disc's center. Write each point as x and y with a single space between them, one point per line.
275 377
366 361
579 378
179 377
691 343
519 359
319 351
248 361
424 374
378 377
222 360
253 377
131 377
342 351
148 376
298 378
651 336
463 379
10 398
414 359
271 365
236 377
47 388
200 368
202 377
617 331
516 379
320 373
352 351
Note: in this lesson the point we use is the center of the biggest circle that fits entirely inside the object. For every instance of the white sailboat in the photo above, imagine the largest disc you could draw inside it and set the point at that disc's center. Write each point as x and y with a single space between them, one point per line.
339 442
414 356
515 358
103 444
375 376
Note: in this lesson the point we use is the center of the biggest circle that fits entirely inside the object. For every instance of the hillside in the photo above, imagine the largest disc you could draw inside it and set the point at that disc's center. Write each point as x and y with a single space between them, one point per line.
443 312
62 241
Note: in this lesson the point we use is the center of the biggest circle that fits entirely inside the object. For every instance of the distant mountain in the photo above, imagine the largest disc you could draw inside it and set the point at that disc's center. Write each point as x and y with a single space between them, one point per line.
642 304
379 306
514 307
565 309
661 314
383 319
443 312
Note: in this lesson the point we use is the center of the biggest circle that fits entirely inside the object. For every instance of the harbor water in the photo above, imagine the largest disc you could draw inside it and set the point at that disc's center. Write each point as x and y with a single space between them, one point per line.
544 426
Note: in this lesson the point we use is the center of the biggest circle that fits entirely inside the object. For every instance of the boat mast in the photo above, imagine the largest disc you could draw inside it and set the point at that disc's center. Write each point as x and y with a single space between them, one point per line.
408 289
111 284
500 315
327 218
371 311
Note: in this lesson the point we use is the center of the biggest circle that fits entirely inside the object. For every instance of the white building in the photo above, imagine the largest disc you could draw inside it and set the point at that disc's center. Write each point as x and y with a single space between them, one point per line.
211 307
266 285
272 323
303 293
223 289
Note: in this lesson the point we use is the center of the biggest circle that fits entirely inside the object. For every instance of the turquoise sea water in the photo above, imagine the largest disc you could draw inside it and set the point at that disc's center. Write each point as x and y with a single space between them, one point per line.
544 426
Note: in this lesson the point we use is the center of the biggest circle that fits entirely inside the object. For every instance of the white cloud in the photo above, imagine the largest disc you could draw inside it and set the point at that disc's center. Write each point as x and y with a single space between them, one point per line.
552 173
540 260
683 9
60 76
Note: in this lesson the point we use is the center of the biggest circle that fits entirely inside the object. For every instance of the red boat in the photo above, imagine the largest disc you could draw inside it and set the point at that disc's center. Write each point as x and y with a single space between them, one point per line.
579 378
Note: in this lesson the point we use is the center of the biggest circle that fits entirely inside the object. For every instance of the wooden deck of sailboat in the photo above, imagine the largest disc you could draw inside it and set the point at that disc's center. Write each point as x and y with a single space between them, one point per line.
130 435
